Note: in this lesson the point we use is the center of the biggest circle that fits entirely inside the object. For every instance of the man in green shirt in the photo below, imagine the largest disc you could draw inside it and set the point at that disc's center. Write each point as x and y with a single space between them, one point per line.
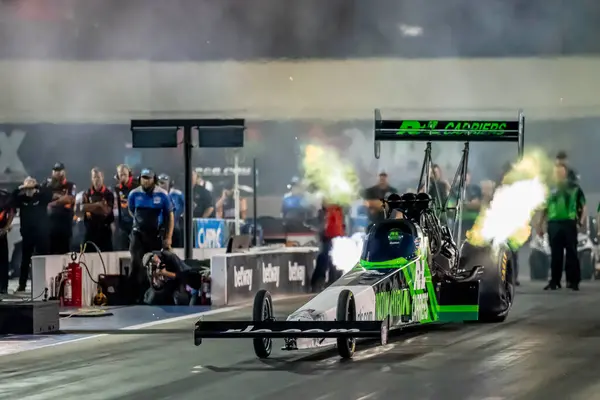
564 212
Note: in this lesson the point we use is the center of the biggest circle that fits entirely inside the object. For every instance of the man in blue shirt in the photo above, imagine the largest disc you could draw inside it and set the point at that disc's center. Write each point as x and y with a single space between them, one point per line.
293 205
176 195
151 209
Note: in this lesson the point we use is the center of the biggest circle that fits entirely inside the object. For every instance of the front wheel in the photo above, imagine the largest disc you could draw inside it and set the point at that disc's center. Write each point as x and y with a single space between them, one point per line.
262 310
346 312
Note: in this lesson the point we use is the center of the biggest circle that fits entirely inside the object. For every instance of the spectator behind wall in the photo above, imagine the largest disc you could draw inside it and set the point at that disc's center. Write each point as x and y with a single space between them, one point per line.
61 210
98 204
126 183
203 206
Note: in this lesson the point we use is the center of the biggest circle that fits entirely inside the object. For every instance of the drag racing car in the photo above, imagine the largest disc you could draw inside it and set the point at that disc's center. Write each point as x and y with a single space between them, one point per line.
411 270
539 258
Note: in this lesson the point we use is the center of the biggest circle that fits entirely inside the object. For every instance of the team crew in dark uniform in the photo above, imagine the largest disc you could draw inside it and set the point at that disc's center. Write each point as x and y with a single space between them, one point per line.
7 213
32 203
565 212
170 276
373 196
203 201
98 203
176 195
60 210
152 209
124 218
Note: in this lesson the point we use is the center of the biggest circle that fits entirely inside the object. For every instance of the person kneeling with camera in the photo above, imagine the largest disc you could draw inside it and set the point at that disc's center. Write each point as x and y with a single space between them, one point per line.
173 282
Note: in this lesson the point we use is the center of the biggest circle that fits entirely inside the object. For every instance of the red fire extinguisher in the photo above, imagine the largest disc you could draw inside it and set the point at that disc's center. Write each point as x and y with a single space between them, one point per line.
205 293
72 287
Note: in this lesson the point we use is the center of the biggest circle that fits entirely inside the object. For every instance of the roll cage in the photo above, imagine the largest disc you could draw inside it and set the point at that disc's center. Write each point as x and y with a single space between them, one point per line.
449 131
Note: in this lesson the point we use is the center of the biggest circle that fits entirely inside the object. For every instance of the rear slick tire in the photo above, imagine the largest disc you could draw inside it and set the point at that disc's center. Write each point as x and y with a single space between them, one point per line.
262 310
346 312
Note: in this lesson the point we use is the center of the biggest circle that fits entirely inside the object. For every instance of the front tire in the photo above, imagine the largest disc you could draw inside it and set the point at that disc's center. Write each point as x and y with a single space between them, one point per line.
262 310
346 312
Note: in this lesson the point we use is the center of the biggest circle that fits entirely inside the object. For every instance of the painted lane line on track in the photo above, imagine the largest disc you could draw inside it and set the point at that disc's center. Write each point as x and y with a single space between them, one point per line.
155 323
133 327
368 396
182 318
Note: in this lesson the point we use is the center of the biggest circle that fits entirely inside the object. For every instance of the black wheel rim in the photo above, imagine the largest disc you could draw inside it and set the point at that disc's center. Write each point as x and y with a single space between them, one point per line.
267 315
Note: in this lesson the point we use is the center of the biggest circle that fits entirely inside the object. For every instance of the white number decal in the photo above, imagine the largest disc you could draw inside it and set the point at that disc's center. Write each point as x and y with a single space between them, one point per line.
419 279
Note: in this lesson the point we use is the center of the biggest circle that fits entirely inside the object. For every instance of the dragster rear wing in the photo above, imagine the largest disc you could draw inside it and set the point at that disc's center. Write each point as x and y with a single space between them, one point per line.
285 329
449 130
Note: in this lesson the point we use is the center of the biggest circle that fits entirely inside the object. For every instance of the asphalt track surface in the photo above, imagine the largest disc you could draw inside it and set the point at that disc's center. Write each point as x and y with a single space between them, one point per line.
547 349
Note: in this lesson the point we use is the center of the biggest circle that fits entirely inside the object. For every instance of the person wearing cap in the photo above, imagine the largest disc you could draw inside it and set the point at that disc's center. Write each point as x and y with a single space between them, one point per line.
152 209
61 210
176 195
32 201
124 219
373 196
98 202
7 213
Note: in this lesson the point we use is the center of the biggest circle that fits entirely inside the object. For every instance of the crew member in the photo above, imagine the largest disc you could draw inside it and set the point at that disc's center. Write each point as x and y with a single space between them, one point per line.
61 210
471 205
124 219
203 200
7 213
98 202
439 188
333 226
170 276
32 203
152 209
564 212
293 205
373 196
226 205
561 158
164 181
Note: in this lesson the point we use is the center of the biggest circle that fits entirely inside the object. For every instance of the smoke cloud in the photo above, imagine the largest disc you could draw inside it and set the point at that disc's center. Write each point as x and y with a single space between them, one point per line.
205 30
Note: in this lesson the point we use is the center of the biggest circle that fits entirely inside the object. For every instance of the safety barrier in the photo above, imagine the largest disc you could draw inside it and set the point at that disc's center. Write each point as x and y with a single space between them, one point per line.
46 268
283 271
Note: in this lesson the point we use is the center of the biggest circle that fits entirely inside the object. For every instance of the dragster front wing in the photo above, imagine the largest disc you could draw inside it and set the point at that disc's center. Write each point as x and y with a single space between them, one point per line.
286 329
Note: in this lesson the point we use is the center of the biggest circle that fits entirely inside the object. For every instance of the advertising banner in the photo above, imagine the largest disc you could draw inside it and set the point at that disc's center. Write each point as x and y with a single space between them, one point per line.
279 273
210 233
